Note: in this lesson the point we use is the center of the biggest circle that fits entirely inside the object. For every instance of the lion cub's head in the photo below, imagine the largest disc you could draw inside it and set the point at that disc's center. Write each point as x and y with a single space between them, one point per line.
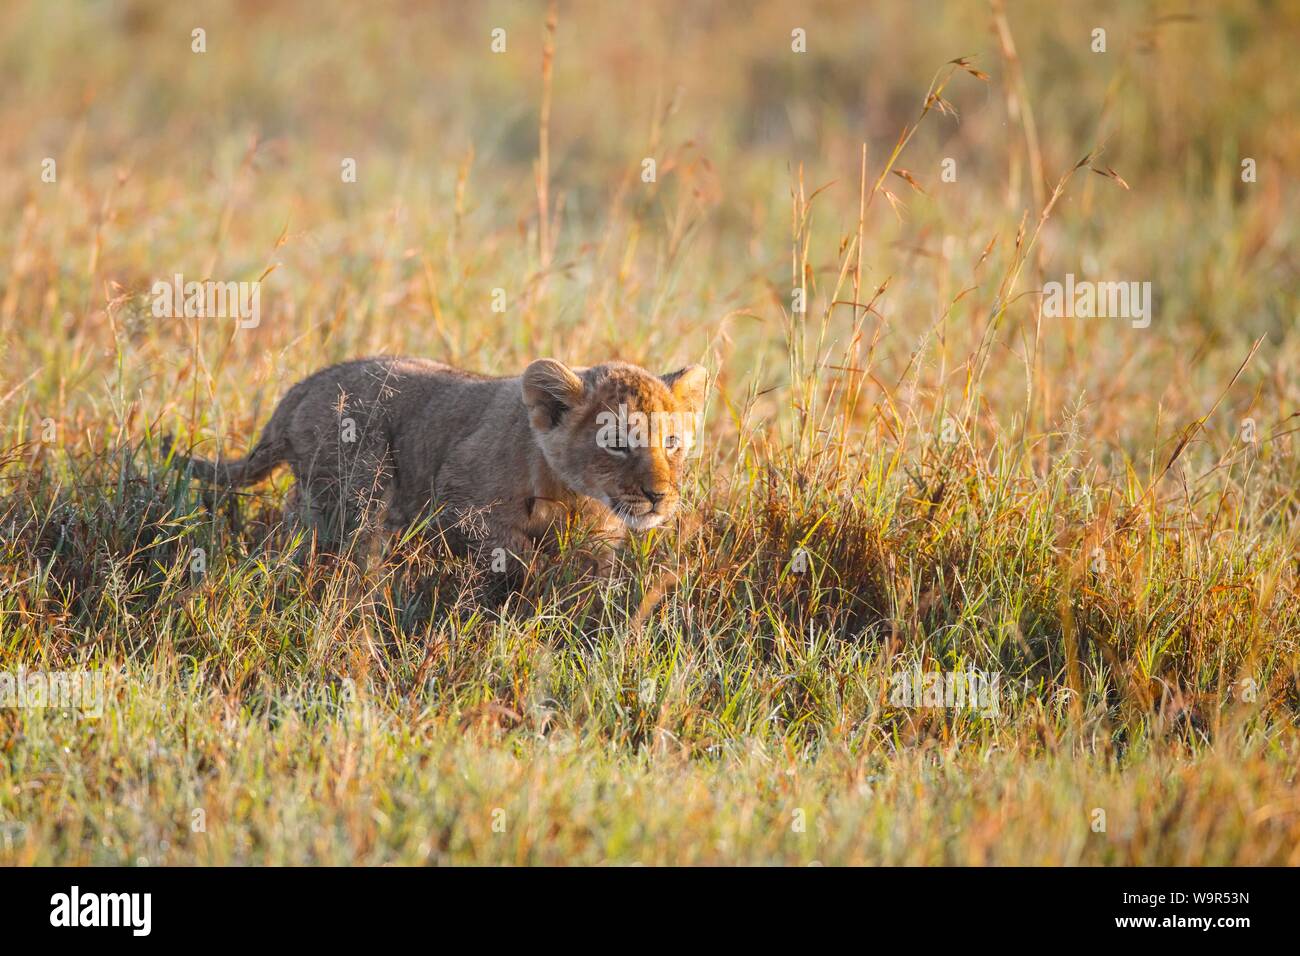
617 433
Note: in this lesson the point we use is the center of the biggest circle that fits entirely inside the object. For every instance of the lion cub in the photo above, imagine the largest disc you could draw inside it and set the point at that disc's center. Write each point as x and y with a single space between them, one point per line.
499 463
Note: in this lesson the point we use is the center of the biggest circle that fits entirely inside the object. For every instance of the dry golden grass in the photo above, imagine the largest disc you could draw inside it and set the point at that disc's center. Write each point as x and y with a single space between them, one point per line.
1075 505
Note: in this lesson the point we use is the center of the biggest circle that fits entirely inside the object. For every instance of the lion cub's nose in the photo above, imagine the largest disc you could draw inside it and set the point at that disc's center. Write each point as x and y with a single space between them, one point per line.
654 497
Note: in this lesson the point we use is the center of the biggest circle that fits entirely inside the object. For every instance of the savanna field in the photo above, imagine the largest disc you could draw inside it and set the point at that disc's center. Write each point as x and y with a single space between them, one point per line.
848 213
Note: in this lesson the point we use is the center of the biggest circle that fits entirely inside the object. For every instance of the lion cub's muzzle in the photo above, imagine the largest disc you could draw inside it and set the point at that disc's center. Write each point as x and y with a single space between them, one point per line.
645 507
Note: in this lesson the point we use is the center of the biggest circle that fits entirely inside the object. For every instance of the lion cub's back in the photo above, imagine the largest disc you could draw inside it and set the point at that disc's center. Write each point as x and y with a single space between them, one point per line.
375 392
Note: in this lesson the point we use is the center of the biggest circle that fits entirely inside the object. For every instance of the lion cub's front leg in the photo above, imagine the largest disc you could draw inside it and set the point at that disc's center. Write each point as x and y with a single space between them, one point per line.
508 554
502 558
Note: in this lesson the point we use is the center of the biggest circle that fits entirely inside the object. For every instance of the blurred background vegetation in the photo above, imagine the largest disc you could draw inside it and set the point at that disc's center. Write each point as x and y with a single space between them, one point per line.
225 163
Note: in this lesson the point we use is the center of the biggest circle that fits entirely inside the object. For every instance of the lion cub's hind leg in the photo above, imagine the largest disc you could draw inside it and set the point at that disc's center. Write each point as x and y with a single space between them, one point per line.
342 505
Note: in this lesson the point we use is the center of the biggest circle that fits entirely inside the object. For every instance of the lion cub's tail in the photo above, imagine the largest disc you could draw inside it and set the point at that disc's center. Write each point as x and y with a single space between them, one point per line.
259 463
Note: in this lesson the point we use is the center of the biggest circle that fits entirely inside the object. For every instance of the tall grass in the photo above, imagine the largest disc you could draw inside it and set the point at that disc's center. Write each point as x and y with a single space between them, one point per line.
917 471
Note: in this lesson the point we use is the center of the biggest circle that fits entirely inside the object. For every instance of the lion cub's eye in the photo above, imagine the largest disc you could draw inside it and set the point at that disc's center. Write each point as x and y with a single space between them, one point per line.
672 443
618 447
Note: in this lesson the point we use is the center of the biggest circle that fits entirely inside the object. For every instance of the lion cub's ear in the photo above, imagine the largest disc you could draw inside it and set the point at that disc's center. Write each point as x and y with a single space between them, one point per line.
688 385
550 389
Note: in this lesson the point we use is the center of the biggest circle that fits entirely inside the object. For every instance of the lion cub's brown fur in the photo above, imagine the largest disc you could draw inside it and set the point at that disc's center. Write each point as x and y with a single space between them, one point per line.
497 462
